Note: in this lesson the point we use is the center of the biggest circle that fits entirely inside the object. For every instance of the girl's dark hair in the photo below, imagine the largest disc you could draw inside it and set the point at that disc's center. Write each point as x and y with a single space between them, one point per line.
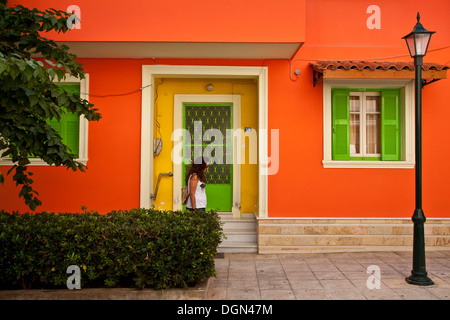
197 167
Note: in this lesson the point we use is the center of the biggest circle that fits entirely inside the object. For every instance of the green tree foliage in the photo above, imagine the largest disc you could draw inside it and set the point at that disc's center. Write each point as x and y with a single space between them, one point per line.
29 95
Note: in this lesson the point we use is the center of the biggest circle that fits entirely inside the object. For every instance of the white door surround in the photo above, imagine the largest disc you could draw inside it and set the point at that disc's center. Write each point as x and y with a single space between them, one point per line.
151 72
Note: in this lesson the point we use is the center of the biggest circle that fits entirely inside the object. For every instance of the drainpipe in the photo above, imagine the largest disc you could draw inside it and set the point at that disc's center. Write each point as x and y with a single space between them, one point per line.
170 174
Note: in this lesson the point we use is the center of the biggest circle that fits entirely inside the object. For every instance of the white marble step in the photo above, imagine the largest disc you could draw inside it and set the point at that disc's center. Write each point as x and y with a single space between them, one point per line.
241 233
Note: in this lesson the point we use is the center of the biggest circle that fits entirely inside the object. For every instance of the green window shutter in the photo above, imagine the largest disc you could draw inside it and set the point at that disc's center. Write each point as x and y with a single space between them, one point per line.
69 125
72 136
390 125
340 124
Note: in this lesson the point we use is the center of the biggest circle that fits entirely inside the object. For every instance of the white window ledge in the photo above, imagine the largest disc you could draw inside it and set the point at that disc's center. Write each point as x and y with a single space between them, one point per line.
369 164
36 162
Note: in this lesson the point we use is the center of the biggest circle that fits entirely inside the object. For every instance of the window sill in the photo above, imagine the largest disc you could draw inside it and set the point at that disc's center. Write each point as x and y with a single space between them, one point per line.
369 164
37 162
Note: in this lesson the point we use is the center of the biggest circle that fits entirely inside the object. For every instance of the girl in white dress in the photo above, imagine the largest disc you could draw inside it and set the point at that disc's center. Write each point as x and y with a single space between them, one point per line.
196 182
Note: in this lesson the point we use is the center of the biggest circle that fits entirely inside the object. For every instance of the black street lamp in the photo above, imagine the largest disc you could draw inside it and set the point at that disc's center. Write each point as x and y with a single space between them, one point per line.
417 42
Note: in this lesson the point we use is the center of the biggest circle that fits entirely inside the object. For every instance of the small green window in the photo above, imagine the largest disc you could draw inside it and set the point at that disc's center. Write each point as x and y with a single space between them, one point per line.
366 124
69 125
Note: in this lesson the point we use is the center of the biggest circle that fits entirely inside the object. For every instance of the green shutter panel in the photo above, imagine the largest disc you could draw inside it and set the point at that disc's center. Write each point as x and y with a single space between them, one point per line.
390 125
69 125
72 133
55 124
340 124
69 130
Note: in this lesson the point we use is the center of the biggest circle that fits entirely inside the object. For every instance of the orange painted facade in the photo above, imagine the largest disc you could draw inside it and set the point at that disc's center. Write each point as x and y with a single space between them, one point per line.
323 30
184 21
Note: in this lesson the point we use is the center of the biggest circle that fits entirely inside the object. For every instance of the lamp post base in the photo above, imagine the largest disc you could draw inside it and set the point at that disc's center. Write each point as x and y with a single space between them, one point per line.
419 280
419 275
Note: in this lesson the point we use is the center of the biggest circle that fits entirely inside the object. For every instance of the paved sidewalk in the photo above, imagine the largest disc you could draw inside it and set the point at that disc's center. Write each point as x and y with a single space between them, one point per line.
325 276
313 276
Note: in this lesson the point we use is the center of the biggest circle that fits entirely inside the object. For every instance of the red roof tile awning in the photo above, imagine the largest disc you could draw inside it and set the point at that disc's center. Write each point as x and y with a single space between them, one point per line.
346 69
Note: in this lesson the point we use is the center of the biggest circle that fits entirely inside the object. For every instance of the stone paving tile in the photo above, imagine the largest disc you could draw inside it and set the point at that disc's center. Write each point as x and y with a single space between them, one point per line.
243 294
337 284
351 275
439 283
444 275
440 293
216 295
415 294
277 294
323 267
217 284
296 267
311 294
270 268
306 284
274 284
296 275
438 266
396 283
393 274
383 293
241 275
347 294
326 275
241 268
352 267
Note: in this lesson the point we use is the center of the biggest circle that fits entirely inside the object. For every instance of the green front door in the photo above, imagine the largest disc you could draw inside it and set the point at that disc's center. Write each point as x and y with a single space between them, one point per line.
208 125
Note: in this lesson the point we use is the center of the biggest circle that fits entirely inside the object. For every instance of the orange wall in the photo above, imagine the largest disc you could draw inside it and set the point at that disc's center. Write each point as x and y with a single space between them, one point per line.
302 187
111 181
183 21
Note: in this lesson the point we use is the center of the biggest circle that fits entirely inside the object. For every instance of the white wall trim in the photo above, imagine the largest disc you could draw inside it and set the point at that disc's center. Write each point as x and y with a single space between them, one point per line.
235 99
408 134
150 72
83 130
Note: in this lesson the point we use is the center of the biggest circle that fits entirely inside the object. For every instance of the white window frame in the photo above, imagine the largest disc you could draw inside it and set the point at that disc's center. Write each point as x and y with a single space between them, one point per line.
363 123
83 133
407 109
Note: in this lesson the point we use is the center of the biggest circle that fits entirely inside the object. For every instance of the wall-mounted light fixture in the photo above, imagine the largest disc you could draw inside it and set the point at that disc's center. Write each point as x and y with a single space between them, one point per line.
209 87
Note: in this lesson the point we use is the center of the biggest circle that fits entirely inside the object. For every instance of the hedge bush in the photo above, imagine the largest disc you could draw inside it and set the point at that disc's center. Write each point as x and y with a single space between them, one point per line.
136 248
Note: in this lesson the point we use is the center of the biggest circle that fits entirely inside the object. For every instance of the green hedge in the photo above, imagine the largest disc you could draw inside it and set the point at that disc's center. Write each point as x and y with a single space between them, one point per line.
136 248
